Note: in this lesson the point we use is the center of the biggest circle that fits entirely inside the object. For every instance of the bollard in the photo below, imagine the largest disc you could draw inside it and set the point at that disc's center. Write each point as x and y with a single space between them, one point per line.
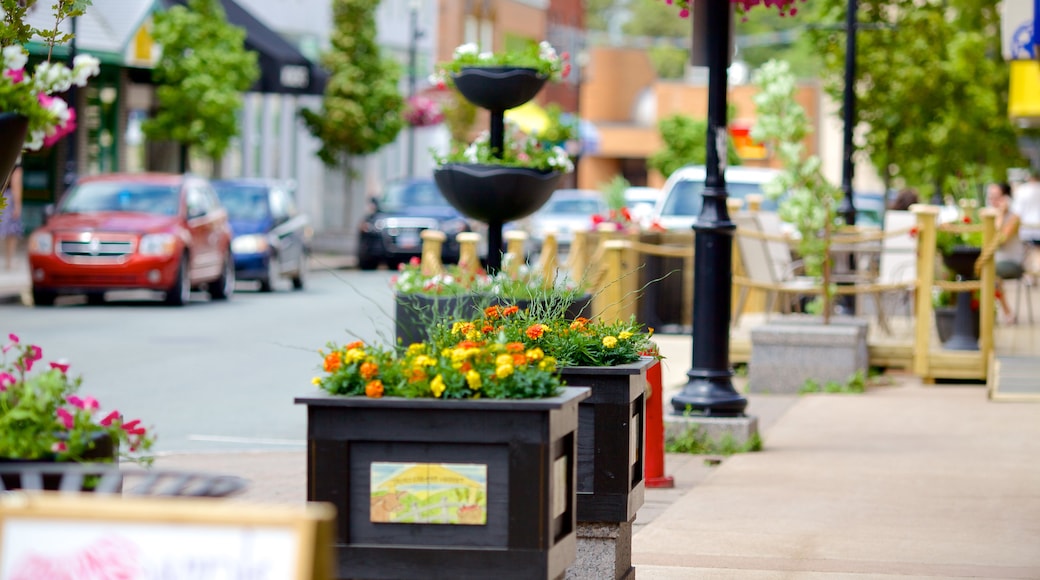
653 465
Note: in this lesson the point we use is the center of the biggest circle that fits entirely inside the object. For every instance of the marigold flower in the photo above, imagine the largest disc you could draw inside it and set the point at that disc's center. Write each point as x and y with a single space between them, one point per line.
316 381
503 371
487 329
416 375
437 386
492 312
579 322
535 331
519 359
353 355
465 367
368 370
535 354
547 364
511 310
355 344
332 363
624 335
374 389
416 348
610 341
473 379
514 347
503 359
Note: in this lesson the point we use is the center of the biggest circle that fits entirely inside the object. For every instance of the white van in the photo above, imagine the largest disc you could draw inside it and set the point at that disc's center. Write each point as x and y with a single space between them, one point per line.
681 197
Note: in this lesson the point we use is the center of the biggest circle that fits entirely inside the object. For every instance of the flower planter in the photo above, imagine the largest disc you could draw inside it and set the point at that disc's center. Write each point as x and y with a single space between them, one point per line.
944 317
414 313
447 488
961 260
580 306
104 450
13 128
610 440
495 193
498 88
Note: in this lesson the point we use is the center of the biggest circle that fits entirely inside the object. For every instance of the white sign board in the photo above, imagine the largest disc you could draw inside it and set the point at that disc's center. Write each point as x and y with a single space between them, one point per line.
88 537
1016 29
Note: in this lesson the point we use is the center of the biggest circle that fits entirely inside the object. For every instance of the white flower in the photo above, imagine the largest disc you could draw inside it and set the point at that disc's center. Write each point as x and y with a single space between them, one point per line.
466 49
14 58
486 56
84 66
52 77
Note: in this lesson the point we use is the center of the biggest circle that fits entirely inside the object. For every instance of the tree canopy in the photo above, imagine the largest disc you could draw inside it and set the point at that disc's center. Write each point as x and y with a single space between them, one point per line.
203 71
362 109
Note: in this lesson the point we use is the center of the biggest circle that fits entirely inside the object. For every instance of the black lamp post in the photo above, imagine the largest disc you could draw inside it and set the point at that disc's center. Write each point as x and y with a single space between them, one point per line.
69 176
710 388
413 46
848 207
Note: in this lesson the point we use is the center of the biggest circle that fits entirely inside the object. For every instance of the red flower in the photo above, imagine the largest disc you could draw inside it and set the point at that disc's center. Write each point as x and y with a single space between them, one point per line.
66 418
107 421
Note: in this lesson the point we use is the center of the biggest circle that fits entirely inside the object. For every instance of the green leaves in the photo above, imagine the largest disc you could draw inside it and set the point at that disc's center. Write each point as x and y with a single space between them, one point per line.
202 73
363 107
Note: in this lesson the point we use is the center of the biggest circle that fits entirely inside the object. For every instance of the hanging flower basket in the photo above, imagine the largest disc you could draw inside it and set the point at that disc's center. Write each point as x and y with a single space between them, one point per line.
495 193
13 128
498 88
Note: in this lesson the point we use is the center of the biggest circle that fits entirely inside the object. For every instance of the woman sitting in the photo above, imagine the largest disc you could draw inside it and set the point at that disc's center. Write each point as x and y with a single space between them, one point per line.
1011 251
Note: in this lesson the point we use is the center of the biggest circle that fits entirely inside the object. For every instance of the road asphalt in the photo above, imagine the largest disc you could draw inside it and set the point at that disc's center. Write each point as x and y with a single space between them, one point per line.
905 481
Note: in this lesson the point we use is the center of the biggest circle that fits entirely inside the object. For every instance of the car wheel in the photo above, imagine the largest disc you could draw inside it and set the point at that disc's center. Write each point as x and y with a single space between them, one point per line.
301 273
224 287
368 262
95 298
179 292
268 281
43 297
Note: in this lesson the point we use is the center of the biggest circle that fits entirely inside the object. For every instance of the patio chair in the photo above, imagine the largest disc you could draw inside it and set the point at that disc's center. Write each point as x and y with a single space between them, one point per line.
898 262
768 264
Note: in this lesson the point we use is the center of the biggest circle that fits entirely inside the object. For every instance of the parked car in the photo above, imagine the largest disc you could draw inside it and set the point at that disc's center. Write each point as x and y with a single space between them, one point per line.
271 236
154 231
681 196
390 233
566 212
640 201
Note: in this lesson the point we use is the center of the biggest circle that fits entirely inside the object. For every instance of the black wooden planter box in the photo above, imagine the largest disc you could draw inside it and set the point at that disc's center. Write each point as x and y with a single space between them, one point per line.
610 440
362 456
415 313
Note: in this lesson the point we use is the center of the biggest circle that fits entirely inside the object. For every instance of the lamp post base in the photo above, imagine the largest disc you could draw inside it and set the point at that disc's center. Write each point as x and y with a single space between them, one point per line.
710 396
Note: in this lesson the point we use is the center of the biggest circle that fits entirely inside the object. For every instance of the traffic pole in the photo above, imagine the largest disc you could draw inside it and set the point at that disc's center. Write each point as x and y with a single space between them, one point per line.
653 464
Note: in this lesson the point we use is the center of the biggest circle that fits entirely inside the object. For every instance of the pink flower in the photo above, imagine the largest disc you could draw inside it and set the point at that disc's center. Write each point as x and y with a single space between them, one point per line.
16 76
14 341
74 401
91 404
107 421
61 366
6 380
35 354
59 447
66 418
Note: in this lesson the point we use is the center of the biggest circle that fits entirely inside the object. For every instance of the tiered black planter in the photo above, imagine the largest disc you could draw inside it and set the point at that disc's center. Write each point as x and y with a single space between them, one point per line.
961 260
527 449
491 193
13 128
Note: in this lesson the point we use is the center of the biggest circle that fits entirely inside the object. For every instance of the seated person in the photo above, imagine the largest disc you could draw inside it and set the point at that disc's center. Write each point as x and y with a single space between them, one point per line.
1010 252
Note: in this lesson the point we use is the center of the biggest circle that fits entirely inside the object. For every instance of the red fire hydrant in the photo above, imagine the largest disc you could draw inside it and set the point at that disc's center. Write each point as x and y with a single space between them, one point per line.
653 461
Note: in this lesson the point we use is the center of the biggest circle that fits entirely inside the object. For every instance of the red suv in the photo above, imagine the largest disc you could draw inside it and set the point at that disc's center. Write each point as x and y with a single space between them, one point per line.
154 231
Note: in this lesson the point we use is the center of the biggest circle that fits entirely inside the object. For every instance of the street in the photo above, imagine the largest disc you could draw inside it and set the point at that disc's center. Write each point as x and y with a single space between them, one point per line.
210 376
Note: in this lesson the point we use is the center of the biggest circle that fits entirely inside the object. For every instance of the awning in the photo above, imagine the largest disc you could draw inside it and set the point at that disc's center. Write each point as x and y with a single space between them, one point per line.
283 68
1024 93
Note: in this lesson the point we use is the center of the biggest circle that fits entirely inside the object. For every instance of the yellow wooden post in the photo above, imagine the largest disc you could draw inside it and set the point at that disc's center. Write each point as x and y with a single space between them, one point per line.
988 286
469 261
548 260
734 204
612 291
515 240
576 257
754 201
926 215
432 241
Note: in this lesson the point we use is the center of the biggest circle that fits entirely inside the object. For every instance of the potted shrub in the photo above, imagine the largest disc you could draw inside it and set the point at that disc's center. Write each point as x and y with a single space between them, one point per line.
464 453
43 418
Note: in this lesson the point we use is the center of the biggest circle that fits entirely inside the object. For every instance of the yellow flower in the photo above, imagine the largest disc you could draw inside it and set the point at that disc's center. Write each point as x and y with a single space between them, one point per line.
424 361
316 381
437 386
610 341
416 348
624 335
473 379
535 354
457 327
547 364
353 355
474 334
503 359
503 371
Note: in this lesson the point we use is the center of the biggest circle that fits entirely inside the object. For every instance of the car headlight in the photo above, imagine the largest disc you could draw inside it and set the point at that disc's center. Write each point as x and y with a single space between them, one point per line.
157 245
41 243
251 244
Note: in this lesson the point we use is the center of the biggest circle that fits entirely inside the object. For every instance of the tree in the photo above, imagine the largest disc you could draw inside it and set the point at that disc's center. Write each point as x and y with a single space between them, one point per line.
931 87
684 144
202 73
363 107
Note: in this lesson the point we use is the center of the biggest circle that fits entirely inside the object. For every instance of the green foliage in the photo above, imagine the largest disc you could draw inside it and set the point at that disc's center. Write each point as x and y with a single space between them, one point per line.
202 74
695 441
362 108
809 201
541 57
558 131
857 383
459 115
14 30
614 192
685 141
931 84
520 150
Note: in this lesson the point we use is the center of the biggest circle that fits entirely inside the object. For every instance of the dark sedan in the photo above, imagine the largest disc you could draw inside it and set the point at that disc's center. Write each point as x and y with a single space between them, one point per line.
270 234
390 233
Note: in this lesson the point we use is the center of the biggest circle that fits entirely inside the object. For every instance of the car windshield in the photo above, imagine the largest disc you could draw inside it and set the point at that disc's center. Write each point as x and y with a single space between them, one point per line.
413 194
130 197
685 198
244 202
585 207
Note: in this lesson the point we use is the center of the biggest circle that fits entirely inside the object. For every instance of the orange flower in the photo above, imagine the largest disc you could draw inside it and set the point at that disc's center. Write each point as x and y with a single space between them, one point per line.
514 347
466 367
416 375
467 344
535 331
579 322
368 370
519 360
355 344
492 312
488 329
511 310
374 389
332 362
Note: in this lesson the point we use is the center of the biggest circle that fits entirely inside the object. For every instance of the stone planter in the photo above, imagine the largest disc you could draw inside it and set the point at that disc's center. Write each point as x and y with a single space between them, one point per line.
448 489
785 352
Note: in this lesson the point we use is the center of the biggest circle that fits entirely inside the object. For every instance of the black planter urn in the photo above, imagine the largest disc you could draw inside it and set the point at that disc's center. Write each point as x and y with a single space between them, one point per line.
500 87
461 489
961 260
495 193
13 128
